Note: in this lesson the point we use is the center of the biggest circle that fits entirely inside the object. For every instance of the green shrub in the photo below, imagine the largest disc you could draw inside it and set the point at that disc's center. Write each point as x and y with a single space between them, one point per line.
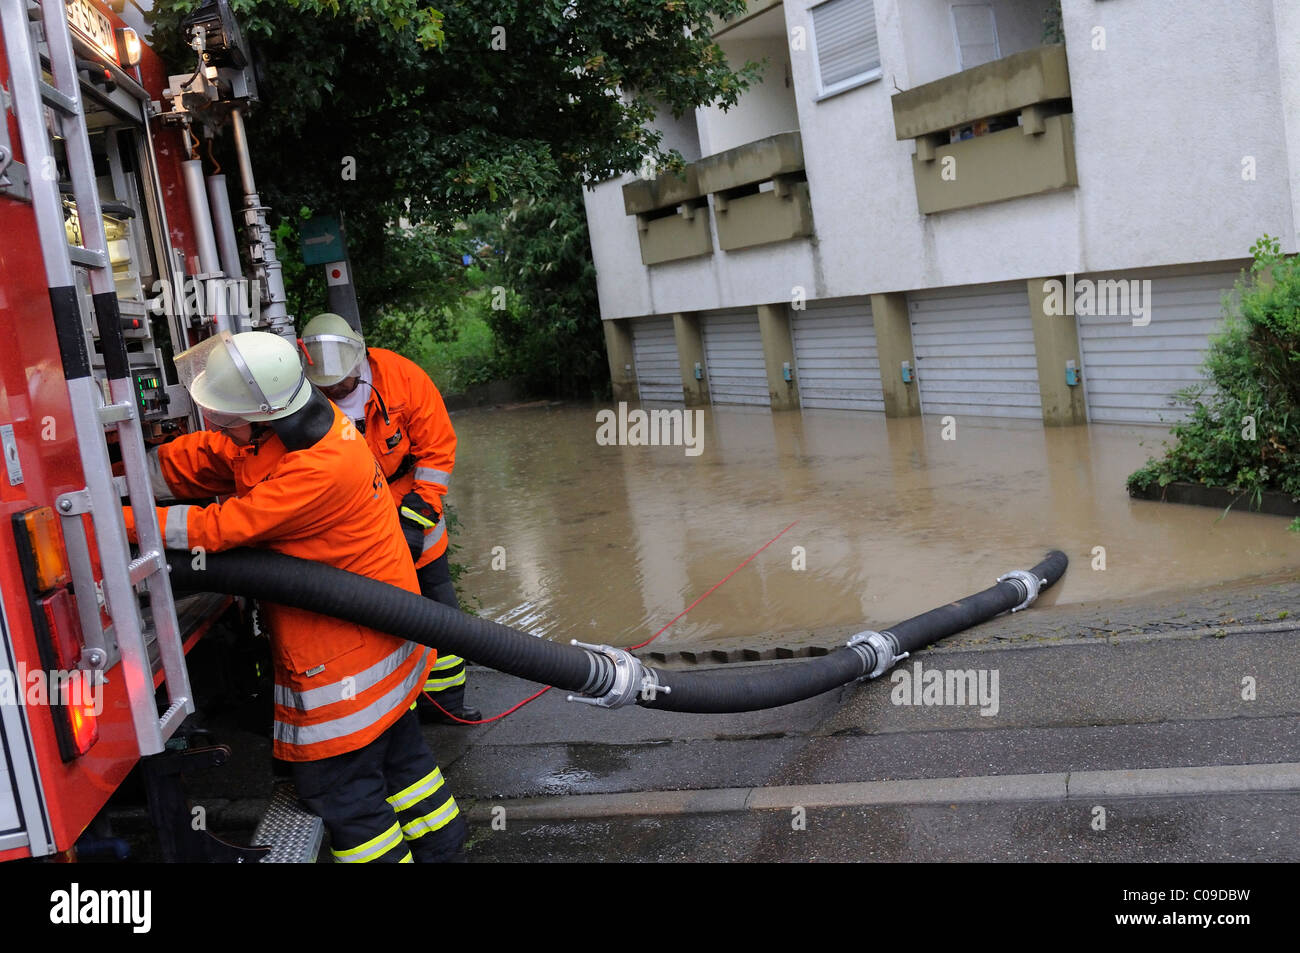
1243 429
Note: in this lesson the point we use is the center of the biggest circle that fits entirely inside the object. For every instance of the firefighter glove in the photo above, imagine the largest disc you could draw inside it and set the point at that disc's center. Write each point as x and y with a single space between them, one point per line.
418 518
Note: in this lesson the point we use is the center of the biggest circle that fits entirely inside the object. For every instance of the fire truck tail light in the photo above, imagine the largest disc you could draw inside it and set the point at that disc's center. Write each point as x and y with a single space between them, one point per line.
46 541
65 629
82 719
128 46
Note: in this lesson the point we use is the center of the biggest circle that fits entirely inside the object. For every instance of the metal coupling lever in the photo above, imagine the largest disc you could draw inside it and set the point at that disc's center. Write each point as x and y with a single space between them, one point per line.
1028 581
630 679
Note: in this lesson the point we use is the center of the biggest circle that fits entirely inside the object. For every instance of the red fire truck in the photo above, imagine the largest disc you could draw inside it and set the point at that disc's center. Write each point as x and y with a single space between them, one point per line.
117 251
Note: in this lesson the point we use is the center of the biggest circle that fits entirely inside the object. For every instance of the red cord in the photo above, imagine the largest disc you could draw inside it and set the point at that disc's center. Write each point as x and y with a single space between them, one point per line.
632 648
484 721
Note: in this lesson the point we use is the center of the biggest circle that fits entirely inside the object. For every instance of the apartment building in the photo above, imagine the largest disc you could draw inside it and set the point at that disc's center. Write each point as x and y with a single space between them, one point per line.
968 208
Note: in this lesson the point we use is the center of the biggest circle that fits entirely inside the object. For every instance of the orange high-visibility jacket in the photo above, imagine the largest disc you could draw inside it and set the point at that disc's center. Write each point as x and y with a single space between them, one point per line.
338 686
413 441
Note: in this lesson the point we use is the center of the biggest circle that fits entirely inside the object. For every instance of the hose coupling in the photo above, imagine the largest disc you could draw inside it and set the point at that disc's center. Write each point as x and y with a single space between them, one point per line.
879 651
628 679
1027 581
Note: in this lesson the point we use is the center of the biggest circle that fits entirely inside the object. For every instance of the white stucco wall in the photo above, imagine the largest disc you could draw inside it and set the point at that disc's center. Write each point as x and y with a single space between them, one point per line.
1286 23
1164 115
766 108
680 133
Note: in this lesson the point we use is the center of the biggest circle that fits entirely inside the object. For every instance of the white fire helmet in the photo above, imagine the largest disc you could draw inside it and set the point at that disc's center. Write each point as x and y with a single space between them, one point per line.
253 376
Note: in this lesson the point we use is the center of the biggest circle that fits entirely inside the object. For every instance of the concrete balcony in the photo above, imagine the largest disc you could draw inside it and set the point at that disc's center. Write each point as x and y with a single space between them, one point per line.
1017 116
672 216
760 192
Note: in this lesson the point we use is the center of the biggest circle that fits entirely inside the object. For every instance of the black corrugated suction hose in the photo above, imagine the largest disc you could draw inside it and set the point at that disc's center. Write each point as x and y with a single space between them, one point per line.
286 580
304 584
719 692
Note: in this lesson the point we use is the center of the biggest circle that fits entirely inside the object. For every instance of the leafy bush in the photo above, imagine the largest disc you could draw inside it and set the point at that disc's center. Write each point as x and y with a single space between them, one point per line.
550 332
454 345
1244 425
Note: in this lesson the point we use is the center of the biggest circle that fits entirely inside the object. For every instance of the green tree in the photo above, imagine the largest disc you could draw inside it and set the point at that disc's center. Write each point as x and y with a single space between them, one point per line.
549 334
449 111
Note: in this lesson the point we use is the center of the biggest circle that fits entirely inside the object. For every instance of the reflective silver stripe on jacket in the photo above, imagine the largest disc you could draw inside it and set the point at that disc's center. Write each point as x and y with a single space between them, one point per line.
431 538
357 721
430 475
344 688
162 491
177 534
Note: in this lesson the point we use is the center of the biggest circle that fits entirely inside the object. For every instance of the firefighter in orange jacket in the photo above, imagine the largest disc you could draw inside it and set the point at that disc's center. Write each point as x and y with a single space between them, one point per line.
303 485
398 408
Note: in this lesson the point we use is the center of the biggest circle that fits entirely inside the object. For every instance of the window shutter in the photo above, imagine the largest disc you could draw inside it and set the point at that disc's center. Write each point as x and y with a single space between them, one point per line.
846 40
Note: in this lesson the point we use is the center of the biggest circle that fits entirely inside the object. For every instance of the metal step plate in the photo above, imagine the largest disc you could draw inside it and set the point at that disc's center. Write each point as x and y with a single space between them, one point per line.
293 833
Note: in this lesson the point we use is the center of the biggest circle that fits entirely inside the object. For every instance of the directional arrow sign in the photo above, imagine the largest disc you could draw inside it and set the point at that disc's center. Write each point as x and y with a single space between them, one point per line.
322 240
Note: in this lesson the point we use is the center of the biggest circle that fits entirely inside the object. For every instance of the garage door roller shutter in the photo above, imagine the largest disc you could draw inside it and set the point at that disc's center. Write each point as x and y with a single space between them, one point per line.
733 349
1130 373
658 374
974 351
835 350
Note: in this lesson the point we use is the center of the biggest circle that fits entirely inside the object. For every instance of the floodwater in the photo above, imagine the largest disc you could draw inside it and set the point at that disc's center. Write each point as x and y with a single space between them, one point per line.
609 543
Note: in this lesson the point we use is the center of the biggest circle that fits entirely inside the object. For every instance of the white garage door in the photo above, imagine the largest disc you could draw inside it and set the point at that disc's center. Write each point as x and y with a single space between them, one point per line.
1130 373
835 351
654 346
974 350
733 350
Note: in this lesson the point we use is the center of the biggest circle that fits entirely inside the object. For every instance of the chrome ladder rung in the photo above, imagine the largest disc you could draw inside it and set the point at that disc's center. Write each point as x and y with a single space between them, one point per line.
173 716
113 413
87 257
146 565
57 98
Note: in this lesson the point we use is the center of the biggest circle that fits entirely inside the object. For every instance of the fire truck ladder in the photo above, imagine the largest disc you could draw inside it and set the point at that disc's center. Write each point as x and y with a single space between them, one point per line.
122 575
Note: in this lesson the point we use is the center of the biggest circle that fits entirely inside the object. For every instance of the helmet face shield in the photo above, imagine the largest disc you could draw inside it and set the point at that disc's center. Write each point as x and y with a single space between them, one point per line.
332 357
254 376
191 363
219 421
333 347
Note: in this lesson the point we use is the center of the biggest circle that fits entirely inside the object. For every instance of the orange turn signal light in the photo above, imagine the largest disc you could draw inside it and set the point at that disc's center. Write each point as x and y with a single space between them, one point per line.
47 548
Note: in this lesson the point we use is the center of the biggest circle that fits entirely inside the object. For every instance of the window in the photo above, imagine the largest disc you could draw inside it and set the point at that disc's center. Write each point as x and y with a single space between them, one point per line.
848 53
975 34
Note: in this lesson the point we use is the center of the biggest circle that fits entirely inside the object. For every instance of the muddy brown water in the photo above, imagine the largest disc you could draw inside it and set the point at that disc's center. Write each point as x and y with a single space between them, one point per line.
609 543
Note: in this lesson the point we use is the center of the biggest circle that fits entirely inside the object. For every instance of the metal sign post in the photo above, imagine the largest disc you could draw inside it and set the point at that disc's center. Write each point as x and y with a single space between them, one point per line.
324 242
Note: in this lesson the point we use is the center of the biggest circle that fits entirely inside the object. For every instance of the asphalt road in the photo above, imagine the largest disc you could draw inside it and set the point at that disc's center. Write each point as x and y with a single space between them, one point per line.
1208 724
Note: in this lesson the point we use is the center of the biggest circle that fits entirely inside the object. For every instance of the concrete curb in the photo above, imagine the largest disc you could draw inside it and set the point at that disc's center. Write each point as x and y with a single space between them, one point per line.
1083 785
1008 644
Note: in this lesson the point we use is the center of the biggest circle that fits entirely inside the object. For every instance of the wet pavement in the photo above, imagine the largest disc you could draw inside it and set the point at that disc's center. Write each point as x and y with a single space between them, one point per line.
558 781
1230 828
566 538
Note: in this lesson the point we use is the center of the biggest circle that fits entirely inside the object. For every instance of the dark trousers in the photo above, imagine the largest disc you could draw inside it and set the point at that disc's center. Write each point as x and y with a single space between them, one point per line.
384 803
447 680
